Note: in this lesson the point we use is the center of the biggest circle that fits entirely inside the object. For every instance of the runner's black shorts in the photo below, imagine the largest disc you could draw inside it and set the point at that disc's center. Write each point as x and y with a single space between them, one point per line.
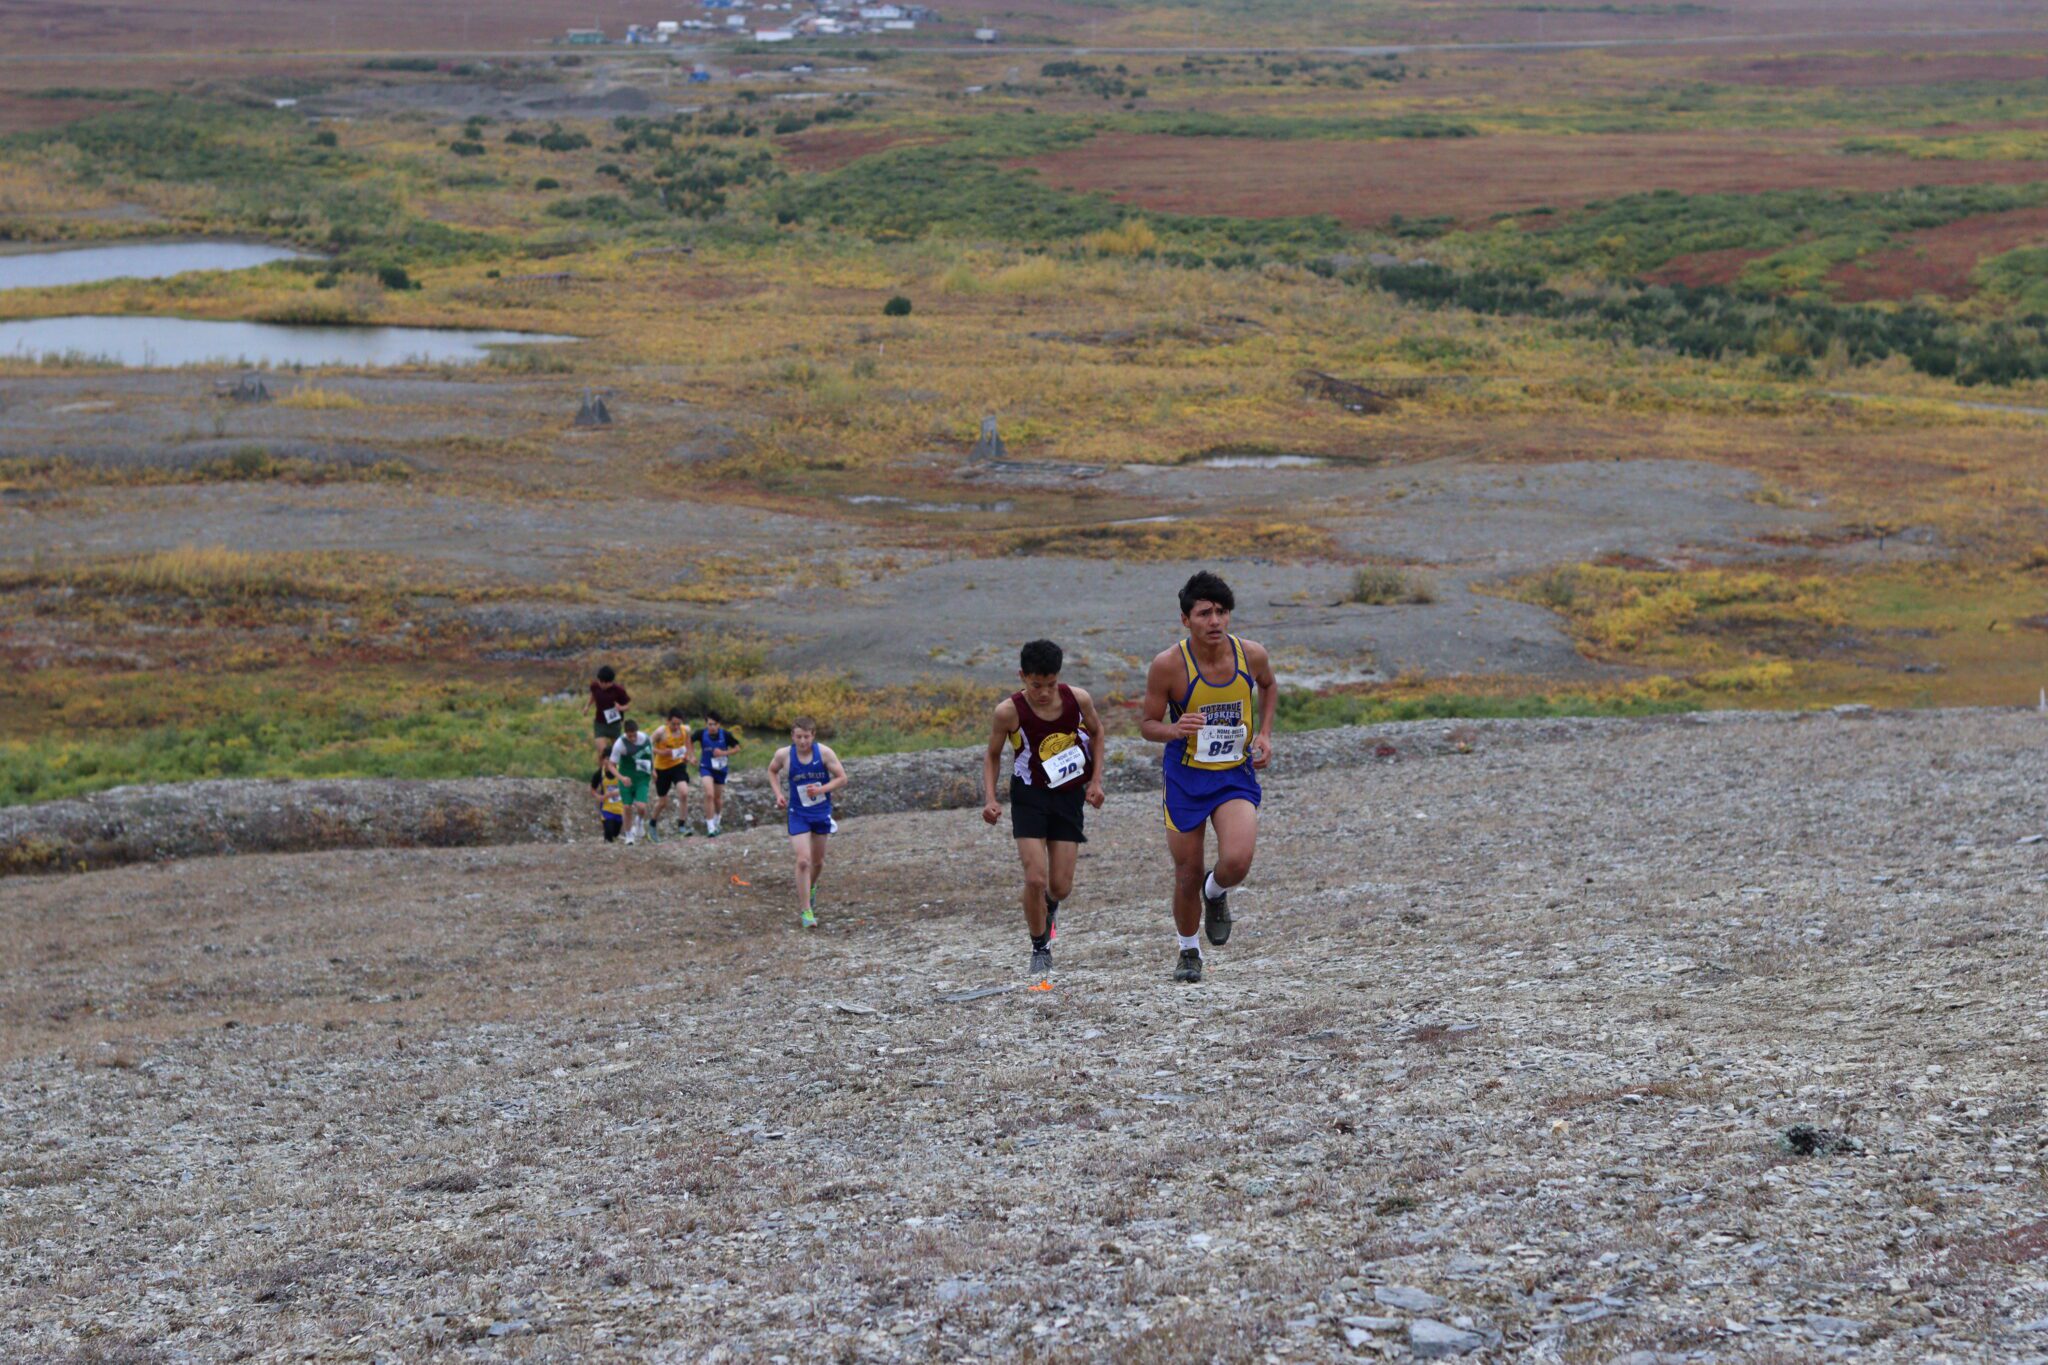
664 778
1054 816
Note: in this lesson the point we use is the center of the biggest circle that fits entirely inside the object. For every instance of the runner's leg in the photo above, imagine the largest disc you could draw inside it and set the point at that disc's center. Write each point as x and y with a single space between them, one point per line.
818 843
1237 837
1032 854
800 846
1188 871
1061 857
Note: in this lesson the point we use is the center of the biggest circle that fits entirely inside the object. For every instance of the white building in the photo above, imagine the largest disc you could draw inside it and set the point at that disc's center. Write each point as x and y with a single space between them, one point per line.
881 12
899 25
987 35
773 35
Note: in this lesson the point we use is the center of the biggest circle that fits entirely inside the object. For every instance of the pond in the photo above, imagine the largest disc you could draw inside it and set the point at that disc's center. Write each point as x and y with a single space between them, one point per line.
160 343
133 261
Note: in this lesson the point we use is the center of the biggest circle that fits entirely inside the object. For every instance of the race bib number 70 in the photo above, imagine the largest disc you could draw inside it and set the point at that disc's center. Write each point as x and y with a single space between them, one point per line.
1064 766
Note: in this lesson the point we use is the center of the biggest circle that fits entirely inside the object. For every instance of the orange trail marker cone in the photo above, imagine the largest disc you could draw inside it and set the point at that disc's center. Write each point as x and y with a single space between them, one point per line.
1042 986
737 882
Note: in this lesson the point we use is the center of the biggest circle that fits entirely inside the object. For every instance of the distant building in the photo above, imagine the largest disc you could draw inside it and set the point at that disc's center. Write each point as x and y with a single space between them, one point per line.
882 13
987 35
587 37
773 35
668 28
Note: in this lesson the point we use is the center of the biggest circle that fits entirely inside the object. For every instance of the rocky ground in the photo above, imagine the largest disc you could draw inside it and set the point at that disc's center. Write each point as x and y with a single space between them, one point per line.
1580 1041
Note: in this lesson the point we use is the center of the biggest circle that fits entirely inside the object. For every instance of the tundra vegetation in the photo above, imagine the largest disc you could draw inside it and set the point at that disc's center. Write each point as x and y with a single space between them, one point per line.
1832 288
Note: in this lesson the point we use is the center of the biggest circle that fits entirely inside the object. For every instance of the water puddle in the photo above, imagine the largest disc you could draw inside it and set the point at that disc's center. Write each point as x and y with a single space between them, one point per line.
159 343
133 261
1262 462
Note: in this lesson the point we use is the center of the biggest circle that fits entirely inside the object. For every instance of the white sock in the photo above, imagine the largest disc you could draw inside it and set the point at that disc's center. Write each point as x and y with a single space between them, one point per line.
1188 941
1210 889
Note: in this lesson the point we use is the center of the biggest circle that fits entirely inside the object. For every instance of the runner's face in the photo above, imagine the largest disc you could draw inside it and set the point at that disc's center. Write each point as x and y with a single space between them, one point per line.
1041 689
1208 623
803 739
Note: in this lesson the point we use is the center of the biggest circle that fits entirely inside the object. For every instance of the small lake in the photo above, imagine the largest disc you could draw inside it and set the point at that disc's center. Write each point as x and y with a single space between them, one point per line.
133 261
138 343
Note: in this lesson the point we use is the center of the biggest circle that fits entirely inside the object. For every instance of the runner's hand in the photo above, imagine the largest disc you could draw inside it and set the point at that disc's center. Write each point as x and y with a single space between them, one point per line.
782 800
1094 797
1262 751
992 812
1190 724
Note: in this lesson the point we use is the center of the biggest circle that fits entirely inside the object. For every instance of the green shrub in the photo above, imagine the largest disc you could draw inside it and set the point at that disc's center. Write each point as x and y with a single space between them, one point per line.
1377 585
897 307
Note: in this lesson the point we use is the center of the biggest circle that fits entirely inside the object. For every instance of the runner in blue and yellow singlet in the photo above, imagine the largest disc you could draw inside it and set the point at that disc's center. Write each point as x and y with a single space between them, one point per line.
1200 697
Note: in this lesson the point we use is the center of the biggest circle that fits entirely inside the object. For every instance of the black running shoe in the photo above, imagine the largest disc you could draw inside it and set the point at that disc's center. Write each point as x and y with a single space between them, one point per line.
1190 968
1041 962
1052 911
1216 918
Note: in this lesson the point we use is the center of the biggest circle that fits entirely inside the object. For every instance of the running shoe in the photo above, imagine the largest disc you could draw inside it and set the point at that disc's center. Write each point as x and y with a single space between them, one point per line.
654 834
711 831
809 919
1190 968
1052 927
689 831
1041 962
1216 918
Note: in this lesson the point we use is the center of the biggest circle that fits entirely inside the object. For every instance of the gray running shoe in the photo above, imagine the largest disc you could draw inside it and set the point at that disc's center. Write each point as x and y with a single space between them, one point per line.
1190 968
1216 918
1041 962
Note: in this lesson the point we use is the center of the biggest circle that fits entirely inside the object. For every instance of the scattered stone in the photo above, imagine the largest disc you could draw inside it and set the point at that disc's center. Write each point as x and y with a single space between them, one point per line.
1433 1340
249 388
959 1290
1371 1323
1821 1325
593 411
1407 1298
517 1327
990 444
846 1007
1803 1139
1854 710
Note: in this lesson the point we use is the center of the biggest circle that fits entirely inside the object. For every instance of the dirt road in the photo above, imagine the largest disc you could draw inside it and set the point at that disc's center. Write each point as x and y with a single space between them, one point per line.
1505 1050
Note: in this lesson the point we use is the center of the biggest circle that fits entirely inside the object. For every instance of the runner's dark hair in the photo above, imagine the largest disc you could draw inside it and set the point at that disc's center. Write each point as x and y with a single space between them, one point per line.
676 713
1206 587
606 674
805 723
629 724
1040 658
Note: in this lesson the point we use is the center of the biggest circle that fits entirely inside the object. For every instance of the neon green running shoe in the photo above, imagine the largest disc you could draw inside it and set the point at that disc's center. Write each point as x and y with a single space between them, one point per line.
809 920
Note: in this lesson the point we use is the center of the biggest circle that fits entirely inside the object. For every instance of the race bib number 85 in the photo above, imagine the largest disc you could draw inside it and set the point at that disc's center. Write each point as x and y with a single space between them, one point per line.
1221 743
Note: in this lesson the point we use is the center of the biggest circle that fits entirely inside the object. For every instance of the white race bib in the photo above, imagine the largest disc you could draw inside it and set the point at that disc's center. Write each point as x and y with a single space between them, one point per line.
1064 766
718 762
1220 743
611 715
804 794
644 764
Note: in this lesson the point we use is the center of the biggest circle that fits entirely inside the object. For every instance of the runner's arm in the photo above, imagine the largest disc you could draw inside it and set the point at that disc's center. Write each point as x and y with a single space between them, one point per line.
1152 721
775 765
832 766
1001 724
1261 664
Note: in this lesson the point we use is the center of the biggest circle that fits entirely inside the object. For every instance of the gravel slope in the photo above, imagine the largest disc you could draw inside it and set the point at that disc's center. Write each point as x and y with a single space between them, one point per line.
1497 1065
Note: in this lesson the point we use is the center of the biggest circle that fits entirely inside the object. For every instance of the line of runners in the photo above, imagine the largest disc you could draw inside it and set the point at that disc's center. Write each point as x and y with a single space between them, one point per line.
1209 700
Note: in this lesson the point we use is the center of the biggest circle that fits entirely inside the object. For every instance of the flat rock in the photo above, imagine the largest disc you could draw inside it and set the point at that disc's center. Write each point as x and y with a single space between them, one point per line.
1407 1298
